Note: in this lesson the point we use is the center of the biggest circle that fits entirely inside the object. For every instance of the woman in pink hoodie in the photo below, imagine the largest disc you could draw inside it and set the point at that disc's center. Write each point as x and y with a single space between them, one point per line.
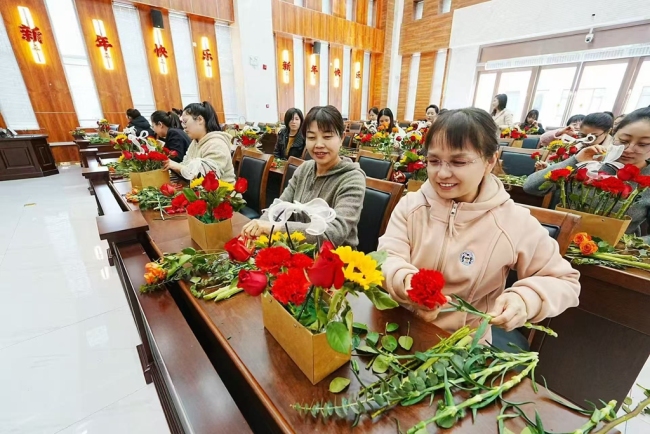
464 224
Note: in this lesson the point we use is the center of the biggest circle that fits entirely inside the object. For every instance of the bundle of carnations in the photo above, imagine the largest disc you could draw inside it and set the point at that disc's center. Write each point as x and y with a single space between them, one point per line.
211 205
143 159
103 127
413 164
588 250
601 200
561 151
514 133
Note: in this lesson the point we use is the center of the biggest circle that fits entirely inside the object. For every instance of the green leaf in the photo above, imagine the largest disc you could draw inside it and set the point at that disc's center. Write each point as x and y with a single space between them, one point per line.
372 338
381 365
189 194
380 257
391 327
354 366
189 251
195 279
479 333
356 341
339 384
389 343
183 259
380 299
367 349
528 430
405 342
360 326
338 337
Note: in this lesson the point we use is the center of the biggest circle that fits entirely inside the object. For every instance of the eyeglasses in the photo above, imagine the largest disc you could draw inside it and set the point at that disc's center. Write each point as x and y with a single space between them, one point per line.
455 165
639 148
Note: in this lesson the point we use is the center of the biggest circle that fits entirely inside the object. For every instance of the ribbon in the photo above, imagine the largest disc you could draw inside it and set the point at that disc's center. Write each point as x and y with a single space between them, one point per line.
318 211
136 140
612 154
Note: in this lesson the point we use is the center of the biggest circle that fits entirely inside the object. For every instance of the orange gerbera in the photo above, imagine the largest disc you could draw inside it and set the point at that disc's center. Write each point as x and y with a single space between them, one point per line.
581 237
588 248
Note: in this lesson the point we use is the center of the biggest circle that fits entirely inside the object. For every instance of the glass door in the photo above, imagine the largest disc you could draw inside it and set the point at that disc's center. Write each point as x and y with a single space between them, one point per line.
640 94
515 85
485 90
598 87
552 94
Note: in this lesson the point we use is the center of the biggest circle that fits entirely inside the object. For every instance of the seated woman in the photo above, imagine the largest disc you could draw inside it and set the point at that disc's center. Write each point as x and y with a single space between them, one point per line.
572 127
531 122
633 132
432 113
386 119
139 122
460 223
291 142
210 147
168 128
373 114
500 114
338 181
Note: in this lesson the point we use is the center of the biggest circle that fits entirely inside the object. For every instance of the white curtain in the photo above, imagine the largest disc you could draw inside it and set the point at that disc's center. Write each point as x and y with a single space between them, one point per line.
184 56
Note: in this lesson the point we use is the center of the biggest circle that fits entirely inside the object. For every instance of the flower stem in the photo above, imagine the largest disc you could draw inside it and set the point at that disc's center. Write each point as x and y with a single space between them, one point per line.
596 418
639 408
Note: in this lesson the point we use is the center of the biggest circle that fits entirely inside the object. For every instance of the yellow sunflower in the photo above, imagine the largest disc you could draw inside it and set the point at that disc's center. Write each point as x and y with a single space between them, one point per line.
262 241
359 267
298 237
196 182
278 236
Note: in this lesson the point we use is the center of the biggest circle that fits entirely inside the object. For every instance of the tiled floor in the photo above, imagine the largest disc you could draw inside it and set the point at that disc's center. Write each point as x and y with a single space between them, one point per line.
68 362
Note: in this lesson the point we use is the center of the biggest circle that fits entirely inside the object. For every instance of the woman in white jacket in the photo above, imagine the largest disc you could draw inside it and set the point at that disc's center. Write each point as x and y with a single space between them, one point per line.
501 115
210 147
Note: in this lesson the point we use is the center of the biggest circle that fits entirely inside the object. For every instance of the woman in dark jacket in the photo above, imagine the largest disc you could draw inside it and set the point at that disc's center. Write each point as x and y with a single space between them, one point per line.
168 128
137 121
291 142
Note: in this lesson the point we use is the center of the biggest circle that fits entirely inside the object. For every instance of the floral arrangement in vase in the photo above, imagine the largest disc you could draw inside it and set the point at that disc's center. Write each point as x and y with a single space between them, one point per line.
151 154
413 164
249 136
513 133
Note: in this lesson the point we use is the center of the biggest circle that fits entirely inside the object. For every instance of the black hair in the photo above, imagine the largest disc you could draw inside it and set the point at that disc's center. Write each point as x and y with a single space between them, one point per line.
179 112
387 112
575 118
133 113
288 115
611 114
642 114
456 128
502 98
601 121
531 114
205 110
434 107
168 119
374 110
328 118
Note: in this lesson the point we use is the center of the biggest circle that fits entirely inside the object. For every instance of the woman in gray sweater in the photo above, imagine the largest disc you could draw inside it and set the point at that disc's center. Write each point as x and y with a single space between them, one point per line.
338 181
634 133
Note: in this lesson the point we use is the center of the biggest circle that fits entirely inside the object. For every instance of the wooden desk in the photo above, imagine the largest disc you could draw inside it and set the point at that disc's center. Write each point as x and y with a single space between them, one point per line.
26 156
278 170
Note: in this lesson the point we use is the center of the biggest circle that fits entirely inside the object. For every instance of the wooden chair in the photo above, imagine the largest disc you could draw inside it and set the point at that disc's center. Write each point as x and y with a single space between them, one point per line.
237 156
306 156
378 204
348 141
560 224
517 161
505 142
255 168
375 165
289 170
355 127
268 143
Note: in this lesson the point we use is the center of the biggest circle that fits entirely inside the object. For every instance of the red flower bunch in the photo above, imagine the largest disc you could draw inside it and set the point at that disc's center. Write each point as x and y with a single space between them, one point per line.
366 138
247 141
417 165
328 269
291 287
222 199
157 156
167 190
272 259
516 134
237 250
426 288
223 211
142 157
629 172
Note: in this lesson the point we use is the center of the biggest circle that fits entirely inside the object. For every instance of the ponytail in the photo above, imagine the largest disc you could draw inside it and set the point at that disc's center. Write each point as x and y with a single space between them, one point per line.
168 119
205 110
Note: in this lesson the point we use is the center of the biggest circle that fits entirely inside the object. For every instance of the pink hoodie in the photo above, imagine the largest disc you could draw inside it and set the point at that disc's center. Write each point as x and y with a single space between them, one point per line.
475 245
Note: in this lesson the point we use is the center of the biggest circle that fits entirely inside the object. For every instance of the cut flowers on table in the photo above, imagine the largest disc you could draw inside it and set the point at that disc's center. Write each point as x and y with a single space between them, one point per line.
630 252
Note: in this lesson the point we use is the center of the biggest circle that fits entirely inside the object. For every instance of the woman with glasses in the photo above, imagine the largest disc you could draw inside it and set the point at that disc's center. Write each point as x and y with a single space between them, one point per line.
633 132
210 147
461 223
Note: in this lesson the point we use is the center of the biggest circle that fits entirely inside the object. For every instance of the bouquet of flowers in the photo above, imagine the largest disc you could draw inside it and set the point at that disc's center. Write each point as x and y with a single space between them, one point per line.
414 137
211 200
167 198
562 150
141 154
411 163
530 129
513 133
78 132
249 136
588 250
103 126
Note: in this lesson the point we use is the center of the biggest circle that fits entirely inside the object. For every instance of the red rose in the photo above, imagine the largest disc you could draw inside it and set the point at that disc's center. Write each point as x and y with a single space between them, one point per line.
561 152
612 185
627 190
180 202
273 259
581 174
223 211
553 157
210 182
253 282
237 250
127 155
535 155
628 172
398 138
573 150
142 157
414 139
291 286
172 153
167 190
416 165
197 208
241 185
426 288
643 181
327 271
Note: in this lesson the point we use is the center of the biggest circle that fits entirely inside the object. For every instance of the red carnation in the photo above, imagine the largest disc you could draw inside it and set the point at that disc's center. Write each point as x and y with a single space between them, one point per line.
558 174
157 156
628 172
426 288
300 260
237 250
127 155
553 157
581 174
272 259
253 282
197 208
210 182
643 181
241 185
535 155
167 190
291 286
223 211
142 157
180 202
327 270
612 185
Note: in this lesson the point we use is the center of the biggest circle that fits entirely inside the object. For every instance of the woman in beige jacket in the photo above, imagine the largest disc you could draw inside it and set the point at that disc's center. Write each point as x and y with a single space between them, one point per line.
500 114
463 223
210 147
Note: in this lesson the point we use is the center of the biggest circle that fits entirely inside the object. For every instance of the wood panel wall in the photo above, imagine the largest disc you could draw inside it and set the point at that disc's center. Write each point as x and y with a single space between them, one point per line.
380 72
435 30
361 15
222 10
166 90
425 81
338 8
46 83
112 85
355 93
403 88
312 91
285 90
295 20
209 87
336 93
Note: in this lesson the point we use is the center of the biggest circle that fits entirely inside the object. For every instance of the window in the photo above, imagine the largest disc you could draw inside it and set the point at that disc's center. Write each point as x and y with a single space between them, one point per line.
227 73
552 94
299 2
324 74
345 72
371 13
412 87
418 9
15 105
445 6
640 94
365 89
70 43
350 10
327 7
485 90
515 85
598 87
183 53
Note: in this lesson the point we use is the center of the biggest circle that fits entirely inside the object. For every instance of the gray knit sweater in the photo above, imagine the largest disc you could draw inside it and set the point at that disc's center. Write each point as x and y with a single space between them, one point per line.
343 188
638 212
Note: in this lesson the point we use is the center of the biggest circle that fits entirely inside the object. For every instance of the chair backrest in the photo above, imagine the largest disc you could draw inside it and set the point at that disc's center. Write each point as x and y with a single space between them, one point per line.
289 170
404 124
355 127
306 156
378 204
375 165
255 168
530 143
268 142
505 142
517 161
560 224
347 140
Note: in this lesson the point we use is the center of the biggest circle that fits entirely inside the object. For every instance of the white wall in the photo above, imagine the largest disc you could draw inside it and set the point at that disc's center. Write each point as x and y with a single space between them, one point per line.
254 33
501 21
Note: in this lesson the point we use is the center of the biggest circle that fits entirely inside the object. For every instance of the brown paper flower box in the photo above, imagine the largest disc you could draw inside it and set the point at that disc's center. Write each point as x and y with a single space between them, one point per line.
608 229
210 236
152 178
